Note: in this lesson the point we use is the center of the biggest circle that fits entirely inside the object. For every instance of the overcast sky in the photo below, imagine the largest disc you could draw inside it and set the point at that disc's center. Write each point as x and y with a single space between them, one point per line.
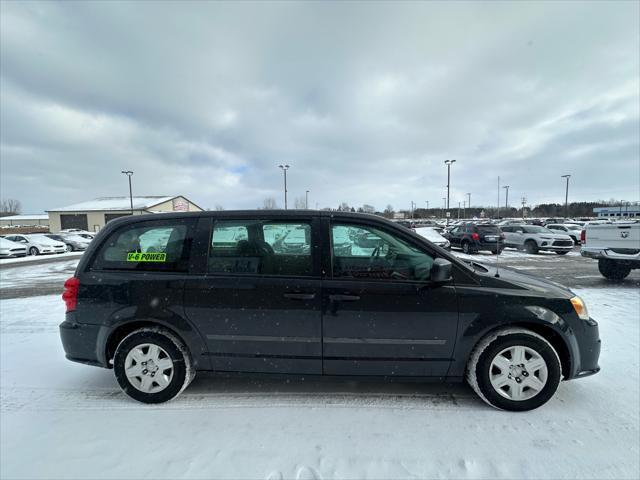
365 101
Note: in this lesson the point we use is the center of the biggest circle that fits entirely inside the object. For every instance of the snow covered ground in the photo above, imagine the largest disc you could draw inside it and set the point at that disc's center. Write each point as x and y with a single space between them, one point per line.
64 420
35 274
39 258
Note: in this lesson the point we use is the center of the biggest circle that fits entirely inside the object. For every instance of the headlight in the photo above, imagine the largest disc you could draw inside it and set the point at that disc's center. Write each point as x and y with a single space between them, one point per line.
446 245
580 308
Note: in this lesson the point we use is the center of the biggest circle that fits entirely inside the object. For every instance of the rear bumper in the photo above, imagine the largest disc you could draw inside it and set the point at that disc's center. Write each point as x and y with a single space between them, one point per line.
599 253
82 342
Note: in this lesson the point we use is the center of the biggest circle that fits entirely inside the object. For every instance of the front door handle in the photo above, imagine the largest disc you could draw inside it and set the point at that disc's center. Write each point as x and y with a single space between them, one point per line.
344 298
300 296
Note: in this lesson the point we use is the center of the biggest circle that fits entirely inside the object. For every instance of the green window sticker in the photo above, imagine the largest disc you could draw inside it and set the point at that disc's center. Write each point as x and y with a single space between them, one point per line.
146 257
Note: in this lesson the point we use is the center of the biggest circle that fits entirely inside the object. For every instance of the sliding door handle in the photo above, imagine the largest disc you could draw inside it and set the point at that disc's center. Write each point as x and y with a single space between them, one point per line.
300 296
344 298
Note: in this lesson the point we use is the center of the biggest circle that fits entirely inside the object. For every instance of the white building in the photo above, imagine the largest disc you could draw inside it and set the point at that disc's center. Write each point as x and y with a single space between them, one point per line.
94 214
621 211
25 220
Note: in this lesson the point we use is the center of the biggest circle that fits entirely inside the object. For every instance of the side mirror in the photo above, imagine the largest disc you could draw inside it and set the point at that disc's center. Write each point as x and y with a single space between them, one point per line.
440 270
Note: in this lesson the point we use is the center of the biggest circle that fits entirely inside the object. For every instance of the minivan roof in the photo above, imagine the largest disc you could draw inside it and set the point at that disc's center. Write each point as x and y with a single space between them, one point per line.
257 213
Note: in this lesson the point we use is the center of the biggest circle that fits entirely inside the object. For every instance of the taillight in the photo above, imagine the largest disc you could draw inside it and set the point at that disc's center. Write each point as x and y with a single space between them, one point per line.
70 294
475 236
583 236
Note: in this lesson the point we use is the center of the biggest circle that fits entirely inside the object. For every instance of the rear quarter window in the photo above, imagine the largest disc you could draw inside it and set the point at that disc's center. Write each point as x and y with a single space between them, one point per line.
147 246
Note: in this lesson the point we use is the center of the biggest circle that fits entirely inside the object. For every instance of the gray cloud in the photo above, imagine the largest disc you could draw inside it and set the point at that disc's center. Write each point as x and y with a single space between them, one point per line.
364 101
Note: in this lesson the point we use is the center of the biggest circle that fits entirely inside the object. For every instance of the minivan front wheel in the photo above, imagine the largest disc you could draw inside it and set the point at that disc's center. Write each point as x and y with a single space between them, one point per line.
152 365
514 369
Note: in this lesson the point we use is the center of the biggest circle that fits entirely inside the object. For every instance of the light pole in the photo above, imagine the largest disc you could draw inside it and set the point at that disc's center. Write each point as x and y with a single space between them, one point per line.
506 200
566 196
128 173
284 170
306 199
445 206
448 163
459 210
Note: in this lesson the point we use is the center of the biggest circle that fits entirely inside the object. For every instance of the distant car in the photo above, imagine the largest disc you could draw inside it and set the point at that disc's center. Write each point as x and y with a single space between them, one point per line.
533 238
571 229
38 244
472 237
9 249
407 223
433 236
296 241
73 242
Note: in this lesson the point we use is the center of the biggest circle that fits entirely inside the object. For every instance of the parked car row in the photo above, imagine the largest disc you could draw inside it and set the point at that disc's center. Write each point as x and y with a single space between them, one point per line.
473 237
21 245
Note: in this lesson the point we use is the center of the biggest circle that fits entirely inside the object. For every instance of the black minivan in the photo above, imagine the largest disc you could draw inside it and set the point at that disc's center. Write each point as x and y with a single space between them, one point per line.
159 297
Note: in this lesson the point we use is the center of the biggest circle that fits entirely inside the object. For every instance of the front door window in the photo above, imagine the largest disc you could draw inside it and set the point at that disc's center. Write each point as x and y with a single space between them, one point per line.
363 252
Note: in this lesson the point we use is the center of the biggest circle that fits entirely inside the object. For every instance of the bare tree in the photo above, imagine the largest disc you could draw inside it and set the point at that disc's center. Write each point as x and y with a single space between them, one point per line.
270 204
368 208
10 206
219 208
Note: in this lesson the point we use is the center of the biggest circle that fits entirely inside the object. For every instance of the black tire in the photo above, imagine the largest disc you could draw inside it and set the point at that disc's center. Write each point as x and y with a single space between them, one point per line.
34 251
466 247
69 247
562 252
183 371
531 247
478 367
613 270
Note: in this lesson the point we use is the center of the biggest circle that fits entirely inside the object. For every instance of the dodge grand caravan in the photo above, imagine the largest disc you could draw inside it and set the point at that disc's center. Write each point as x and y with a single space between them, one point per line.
160 297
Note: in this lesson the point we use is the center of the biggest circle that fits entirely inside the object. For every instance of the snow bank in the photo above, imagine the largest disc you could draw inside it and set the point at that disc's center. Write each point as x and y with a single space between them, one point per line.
63 420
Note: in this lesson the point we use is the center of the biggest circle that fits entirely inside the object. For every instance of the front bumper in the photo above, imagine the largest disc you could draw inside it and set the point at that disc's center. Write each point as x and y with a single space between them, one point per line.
13 254
551 248
589 345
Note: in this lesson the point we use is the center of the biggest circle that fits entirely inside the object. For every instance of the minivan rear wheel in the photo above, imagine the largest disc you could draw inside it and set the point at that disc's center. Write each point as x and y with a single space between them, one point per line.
514 369
152 365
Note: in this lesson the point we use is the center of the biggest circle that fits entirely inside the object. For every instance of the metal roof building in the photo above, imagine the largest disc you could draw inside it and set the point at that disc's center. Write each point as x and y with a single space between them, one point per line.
94 214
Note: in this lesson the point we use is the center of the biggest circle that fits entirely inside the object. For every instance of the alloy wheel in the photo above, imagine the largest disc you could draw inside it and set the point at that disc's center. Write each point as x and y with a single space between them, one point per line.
518 373
148 368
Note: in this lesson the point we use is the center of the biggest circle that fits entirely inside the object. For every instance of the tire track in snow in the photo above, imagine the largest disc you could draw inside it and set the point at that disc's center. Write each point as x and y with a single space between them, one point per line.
41 399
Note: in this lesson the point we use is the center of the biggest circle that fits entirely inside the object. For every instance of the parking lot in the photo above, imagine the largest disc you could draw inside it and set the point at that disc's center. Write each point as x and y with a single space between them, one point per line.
75 421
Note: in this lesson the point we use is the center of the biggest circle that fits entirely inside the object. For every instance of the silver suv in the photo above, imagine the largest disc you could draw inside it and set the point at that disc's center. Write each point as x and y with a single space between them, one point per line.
533 238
